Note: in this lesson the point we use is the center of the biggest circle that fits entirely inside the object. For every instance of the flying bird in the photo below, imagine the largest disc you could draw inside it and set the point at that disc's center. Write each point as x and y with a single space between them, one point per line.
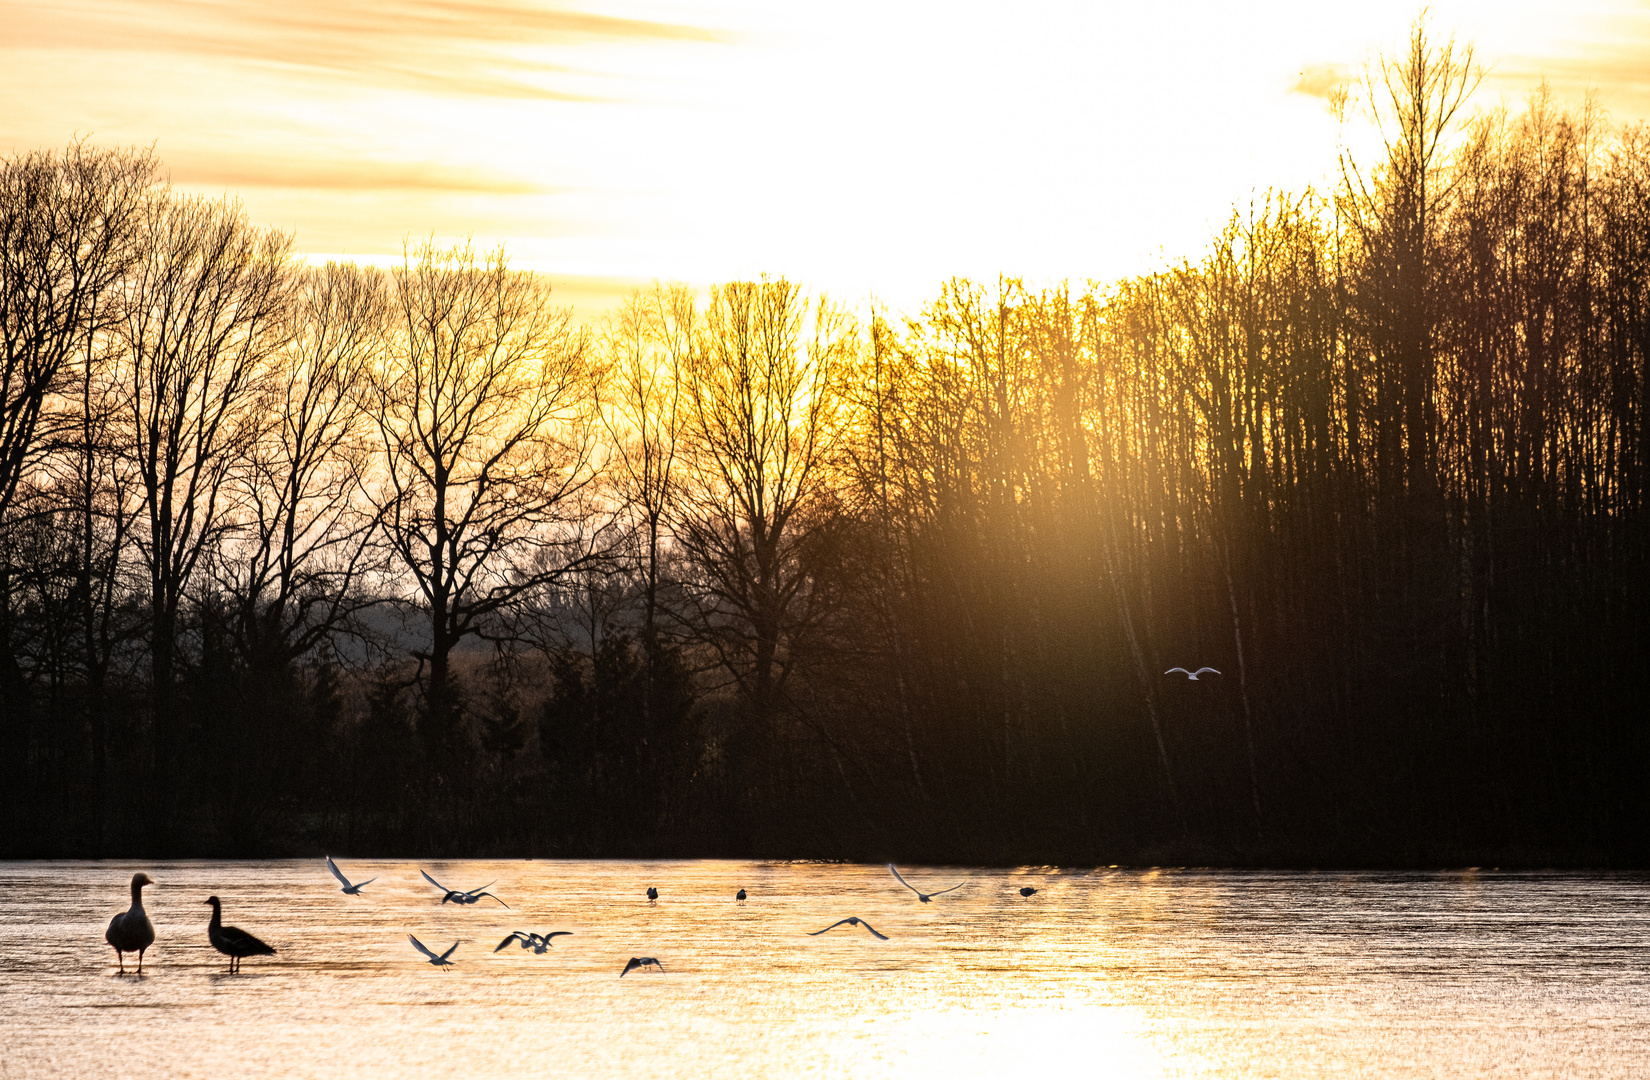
537 942
740 895
1027 891
640 962
1192 675
472 897
131 930
439 961
652 893
852 920
233 942
348 889
924 897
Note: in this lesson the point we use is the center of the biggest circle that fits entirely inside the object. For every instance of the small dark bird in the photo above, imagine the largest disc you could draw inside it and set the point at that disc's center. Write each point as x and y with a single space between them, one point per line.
232 942
455 896
131 930
537 942
439 961
1192 675
640 962
652 893
348 889
741 895
852 920
924 897
1027 891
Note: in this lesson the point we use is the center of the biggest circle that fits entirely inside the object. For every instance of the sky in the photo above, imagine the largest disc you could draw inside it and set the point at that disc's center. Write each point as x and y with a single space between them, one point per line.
866 149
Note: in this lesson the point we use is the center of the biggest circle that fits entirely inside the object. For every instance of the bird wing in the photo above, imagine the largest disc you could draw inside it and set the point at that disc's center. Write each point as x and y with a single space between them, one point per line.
833 926
365 883
476 896
1172 670
558 933
337 873
942 892
1210 670
631 966
902 881
506 941
419 945
868 926
656 963
434 882
476 892
452 949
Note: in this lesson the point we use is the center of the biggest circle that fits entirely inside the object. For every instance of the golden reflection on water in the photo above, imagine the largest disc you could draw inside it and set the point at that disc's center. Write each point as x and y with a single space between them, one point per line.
1107 972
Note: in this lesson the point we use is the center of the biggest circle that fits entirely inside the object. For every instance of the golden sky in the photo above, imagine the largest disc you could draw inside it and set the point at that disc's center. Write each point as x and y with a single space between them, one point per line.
867 148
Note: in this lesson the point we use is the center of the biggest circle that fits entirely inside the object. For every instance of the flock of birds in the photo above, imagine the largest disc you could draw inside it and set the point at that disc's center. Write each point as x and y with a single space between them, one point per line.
131 930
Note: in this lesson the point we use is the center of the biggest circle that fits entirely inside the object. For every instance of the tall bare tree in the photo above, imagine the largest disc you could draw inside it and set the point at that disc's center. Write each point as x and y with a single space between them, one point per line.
483 405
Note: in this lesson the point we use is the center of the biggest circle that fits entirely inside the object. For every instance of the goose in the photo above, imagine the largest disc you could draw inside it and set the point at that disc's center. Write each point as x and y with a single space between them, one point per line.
924 897
232 942
131 930
740 895
1192 675
537 942
439 961
640 962
348 889
851 920
472 897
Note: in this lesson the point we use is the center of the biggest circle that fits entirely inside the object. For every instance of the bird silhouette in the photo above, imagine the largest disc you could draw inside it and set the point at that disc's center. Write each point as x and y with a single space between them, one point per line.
537 942
740 895
233 942
439 961
348 889
473 896
1027 891
131 930
924 897
652 893
1192 675
852 920
640 962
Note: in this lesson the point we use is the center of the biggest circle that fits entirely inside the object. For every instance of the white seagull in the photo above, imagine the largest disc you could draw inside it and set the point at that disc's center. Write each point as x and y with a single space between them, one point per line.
438 961
852 920
351 890
924 897
537 942
640 962
472 897
1192 675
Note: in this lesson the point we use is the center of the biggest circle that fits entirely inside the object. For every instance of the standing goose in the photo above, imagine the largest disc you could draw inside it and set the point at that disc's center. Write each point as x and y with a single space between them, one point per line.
131 930
232 942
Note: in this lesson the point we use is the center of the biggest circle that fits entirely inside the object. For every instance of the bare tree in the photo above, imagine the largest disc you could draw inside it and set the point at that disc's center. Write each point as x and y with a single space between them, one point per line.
762 429
205 313
483 406
307 539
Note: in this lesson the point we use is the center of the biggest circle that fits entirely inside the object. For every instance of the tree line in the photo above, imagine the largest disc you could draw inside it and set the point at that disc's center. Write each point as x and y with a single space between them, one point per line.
407 561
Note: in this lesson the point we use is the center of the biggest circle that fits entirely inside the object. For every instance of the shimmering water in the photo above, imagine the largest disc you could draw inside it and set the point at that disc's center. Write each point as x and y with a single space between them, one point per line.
1101 973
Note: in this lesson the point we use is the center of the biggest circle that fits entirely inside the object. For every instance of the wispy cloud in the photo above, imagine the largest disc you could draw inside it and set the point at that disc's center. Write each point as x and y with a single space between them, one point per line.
243 171
1321 80
441 46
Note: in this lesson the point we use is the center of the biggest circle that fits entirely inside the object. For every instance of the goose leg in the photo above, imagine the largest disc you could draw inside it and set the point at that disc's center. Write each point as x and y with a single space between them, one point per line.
120 958
140 961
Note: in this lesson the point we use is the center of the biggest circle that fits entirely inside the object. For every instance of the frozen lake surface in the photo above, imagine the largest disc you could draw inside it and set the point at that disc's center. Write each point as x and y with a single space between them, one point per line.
1102 973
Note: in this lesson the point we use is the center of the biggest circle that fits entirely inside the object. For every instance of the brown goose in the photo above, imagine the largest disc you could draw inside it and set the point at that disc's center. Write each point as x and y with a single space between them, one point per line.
232 942
131 930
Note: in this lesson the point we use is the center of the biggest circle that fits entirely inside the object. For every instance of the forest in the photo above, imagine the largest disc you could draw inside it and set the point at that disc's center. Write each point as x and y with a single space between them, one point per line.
298 558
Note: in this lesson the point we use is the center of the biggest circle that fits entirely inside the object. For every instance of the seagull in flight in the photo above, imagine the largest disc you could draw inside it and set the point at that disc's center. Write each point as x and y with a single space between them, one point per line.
1192 675
852 920
924 897
472 897
537 942
640 962
348 889
438 961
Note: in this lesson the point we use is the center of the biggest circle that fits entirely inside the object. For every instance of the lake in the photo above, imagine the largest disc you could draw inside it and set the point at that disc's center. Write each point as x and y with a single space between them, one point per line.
1103 972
